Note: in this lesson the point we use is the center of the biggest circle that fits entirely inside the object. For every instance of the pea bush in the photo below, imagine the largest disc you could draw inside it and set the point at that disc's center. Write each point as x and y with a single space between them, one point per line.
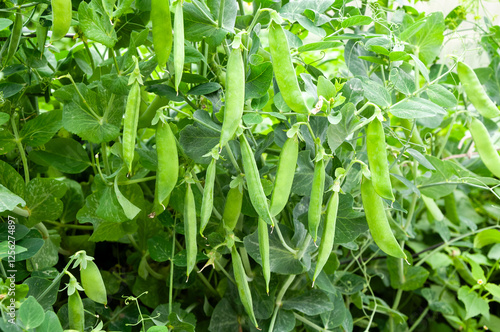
222 165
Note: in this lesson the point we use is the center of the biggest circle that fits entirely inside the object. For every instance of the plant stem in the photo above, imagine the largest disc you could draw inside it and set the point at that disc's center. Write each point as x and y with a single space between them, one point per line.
279 298
20 147
231 157
62 225
308 322
419 319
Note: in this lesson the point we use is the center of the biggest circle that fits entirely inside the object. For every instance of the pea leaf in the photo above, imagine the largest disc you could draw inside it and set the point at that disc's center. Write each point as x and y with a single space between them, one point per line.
416 108
96 26
312 302
474 304
64 154
31 313
486 237
43 199
259 80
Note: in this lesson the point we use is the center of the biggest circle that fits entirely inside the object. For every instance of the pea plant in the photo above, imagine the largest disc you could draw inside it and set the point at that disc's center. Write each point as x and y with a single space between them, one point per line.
222 165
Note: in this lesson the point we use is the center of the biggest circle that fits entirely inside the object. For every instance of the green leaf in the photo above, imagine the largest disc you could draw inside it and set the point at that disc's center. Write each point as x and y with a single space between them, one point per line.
11 179
312 302
259 80
318 46
429 38
200 23
5 23
31 313
130 210
486 237
197 141
350 223
474 304
282 260
43 199
356 20
285 321
375 92
494 290
204 89
9 200
40 130
10 89
160 248
7 142
326 88
224 318
416 108
64 154
38 285
50 324
165 91
4 118
48 254
78 119
414 276
96 26
441 96
402 81
348 283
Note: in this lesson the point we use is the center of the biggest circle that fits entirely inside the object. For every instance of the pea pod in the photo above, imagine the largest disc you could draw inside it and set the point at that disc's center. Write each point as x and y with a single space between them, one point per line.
377 159
242 284
255 190
316 200
232 209
264 251
207 204
41 36
76 314
15 36
326 245
190 229
162 30
61 18
131 117
93 284
284 71
150 112
475 91
415 136
484 146
433 208
235 96
284 175
450 206
378 222
168 165
178 43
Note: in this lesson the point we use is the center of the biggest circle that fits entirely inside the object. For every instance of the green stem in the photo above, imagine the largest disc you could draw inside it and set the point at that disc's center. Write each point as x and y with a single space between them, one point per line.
43 230
172 267
279 299
146 179
22 212
240 5
419 319
92 112
153 273
104 153
62 225
283 242
20 147
231 157
308 322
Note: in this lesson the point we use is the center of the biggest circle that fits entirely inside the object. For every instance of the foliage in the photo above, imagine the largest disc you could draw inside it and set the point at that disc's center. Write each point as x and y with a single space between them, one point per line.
76 188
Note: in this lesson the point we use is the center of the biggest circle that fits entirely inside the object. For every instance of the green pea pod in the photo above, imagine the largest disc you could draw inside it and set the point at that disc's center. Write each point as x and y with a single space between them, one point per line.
484 146
207 204
242 284
190 229
450 206
150 112
433 208
178 43
284 175
232 209
284 71
41 36
168 165
475 91
316 200
326 245
264 251
415 136
93 284
130 123
15 36
61 18
377 159
162 30
235 96
76 314
378 222
255 190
